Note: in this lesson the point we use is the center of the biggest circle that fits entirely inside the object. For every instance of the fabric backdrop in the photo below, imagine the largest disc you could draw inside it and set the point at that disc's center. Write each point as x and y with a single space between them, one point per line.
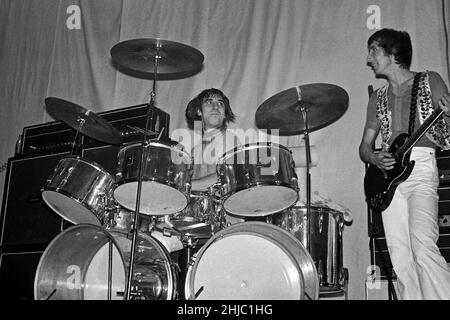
253 49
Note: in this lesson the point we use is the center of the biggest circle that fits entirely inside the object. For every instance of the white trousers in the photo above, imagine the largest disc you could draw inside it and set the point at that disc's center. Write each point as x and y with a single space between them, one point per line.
411 227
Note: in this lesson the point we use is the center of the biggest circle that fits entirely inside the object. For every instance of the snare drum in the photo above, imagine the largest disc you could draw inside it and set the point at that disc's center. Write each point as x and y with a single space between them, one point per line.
252 261
77 265
79 190
321 234
257 179
166 177
119 218
202 216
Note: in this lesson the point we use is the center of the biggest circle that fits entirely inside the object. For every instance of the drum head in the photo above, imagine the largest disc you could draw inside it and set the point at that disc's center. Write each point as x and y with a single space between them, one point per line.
69 208
156 198
260 201
76 264
253 261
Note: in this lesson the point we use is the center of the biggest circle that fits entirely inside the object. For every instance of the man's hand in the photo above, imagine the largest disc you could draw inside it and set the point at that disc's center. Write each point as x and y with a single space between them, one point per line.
444 104
383 160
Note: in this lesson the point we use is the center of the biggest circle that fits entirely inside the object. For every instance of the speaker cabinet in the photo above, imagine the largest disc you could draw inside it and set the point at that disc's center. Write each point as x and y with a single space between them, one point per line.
106 156
17 272
26 219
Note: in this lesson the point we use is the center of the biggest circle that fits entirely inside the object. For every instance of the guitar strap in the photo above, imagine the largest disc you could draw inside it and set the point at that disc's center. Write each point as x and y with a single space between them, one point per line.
412 113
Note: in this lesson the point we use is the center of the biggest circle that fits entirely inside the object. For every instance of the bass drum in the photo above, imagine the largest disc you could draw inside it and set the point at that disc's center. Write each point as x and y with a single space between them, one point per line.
252 261
87 262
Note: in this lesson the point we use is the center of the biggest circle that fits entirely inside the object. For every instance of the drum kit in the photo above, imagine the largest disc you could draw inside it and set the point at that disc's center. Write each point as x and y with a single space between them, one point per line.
130 229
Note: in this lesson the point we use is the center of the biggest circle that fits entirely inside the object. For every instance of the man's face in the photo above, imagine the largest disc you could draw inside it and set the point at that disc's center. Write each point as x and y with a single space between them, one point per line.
378 60
213 112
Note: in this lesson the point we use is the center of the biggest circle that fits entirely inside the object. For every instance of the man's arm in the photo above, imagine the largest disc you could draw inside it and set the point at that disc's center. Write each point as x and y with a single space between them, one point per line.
382 159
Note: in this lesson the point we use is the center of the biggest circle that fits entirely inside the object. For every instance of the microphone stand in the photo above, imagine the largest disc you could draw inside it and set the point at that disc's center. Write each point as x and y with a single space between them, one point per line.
151 104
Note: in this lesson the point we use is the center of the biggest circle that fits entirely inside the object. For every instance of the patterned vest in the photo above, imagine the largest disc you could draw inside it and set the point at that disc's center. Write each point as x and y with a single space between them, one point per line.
439 133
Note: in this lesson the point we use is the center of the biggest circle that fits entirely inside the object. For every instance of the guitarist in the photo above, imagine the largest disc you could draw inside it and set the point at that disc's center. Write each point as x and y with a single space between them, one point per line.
410 220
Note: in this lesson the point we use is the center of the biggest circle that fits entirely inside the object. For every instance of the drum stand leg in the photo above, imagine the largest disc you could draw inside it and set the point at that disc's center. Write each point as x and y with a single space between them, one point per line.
303 107
139 186
345 283
110 253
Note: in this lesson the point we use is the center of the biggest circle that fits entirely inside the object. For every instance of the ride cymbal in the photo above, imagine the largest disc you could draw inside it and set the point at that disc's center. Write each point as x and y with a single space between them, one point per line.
324 103
139 55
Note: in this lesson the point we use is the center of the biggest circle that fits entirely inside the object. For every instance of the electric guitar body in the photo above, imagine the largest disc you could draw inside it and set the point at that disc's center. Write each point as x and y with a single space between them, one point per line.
380 185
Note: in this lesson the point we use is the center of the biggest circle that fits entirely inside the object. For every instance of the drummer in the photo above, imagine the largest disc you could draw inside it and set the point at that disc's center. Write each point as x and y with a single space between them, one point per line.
208 115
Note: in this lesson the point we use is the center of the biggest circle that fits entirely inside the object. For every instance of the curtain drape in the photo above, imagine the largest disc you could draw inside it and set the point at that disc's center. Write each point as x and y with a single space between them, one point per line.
253 49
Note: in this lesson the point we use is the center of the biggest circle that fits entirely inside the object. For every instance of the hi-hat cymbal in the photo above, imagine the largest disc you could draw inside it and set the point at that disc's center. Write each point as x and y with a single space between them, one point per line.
93 125
139 55
324 103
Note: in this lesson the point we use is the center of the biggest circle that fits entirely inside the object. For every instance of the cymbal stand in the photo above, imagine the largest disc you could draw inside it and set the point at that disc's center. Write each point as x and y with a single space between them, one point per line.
139 187
304 110
81 121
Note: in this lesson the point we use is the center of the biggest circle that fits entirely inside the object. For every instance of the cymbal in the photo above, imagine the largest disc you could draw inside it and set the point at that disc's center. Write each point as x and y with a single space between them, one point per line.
324 103
94 126
139 55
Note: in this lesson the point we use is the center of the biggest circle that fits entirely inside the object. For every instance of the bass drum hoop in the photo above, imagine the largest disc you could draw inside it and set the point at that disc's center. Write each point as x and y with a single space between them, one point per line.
310 282
171 278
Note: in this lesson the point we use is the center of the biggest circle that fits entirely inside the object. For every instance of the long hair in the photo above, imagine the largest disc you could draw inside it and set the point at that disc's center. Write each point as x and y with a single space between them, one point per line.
195 104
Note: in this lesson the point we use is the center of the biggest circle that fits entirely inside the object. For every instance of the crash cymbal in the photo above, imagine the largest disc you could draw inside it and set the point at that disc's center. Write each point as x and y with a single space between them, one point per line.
139 55
94 126
325 103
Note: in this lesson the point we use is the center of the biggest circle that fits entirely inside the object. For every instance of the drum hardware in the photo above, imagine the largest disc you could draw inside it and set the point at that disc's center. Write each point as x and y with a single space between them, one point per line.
110 266
147 55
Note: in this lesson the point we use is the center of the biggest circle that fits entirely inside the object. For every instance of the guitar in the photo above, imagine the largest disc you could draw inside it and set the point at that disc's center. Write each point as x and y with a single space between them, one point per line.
380 184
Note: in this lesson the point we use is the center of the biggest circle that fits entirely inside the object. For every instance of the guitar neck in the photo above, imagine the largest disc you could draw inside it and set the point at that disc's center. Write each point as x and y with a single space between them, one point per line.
411 141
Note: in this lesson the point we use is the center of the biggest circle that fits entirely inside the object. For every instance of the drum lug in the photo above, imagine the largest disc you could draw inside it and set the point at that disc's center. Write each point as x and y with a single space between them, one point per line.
188 188
320 222
341 227
319 271
295 183
175 267
277 181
